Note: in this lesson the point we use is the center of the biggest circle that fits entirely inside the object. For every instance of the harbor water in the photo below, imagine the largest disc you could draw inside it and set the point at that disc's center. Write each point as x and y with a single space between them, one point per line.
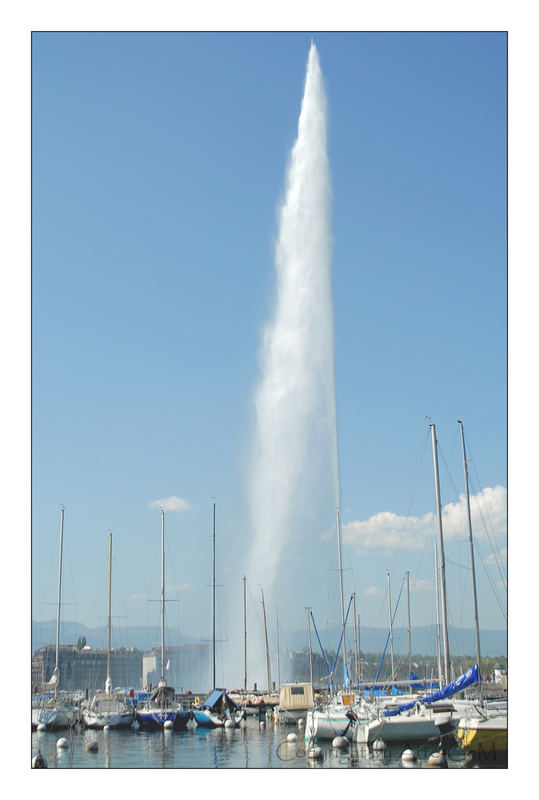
249 747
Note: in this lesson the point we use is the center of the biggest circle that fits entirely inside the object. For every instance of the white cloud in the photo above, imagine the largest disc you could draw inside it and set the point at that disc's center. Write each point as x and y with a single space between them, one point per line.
497 558
180 587
372 591
387 531
418 585
171 504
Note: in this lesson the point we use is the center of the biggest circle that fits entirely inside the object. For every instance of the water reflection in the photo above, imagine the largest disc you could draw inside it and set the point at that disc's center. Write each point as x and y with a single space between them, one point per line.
249 747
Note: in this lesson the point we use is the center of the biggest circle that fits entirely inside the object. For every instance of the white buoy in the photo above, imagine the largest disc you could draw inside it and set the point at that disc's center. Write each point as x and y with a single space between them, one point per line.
41 727
91 746
408 755
106 727
379 744
168 724
62 743
340 742
291 737
262 723
229 723
301 723
39 762
315 752
437 760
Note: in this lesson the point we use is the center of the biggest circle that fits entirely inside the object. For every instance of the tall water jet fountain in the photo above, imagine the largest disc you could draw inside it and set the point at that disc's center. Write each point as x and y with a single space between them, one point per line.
295 449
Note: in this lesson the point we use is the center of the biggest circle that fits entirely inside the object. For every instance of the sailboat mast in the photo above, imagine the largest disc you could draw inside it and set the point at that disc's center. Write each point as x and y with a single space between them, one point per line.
409 627
162 595
472 561
438 640
213 602
278 651
355 641
59 595
390 626
359 649
244 636
267 646
441 555
339 543
108 681
308 610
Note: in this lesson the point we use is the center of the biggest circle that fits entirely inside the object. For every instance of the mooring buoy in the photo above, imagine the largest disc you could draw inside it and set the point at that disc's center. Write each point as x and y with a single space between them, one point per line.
91 746
340 742
437 760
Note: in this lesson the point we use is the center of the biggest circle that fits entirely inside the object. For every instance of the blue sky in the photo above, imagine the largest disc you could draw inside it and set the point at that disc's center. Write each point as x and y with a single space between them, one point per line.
158 166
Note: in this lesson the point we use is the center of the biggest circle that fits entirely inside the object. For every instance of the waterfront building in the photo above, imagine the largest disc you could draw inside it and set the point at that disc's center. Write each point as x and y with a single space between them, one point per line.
86 669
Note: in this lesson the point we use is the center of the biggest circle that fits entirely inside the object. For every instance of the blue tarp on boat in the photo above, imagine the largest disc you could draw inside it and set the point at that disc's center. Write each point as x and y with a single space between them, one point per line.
218 700
470 677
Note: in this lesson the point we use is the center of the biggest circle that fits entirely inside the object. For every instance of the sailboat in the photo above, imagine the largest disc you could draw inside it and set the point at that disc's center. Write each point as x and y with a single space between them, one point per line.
422 717
218 709
107 708
336 718
49 711
483 729
161 710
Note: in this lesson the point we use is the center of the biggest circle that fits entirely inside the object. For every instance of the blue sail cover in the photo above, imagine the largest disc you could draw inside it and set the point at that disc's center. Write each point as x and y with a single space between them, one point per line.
470 677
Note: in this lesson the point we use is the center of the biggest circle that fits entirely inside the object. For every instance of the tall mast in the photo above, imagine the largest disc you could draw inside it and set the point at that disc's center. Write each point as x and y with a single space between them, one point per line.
278 656
390 626
339 543
441 556
409 627
356 656
55 673
438 639
267 646
244 637
213 601
162 595
308 610
359 647
472 561
108 682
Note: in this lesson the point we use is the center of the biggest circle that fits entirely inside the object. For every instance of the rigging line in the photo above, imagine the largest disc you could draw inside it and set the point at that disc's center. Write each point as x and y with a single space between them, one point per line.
456 564
492 585
494 546
69 561
415 467
486 511
117 580
486 529
446 465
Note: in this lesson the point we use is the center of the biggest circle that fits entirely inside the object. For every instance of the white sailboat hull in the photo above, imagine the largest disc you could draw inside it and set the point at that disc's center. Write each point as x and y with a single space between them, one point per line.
54 717
328 723
412 729
110 719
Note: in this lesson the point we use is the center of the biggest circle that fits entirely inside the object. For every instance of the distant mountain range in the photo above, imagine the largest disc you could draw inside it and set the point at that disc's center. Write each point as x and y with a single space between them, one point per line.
140 637
372 640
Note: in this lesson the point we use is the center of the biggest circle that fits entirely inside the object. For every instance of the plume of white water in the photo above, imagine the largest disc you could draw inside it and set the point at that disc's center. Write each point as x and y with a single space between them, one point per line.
295 402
